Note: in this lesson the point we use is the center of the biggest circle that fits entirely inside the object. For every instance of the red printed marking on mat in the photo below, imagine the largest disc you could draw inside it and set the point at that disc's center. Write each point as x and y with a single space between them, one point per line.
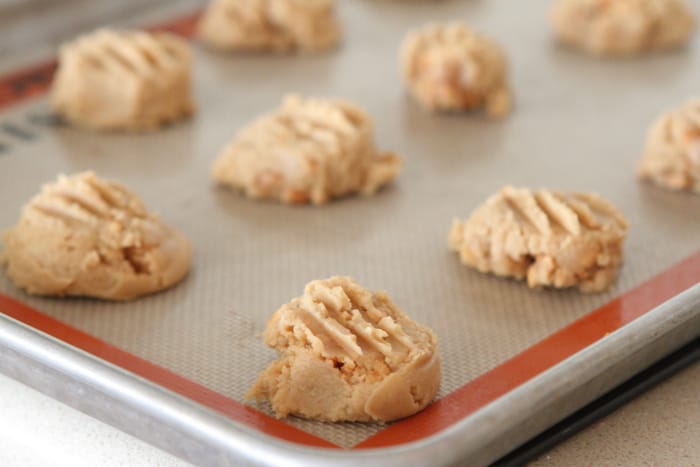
26 83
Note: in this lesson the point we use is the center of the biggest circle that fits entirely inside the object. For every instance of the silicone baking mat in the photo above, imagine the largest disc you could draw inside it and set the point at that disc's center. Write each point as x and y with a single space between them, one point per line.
578 124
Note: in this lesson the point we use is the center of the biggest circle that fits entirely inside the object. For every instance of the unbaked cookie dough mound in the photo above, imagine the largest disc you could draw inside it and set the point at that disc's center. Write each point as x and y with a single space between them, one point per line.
120 80
272 25
551 238
310 150
622 27
672 155
347 354
449 67
89 237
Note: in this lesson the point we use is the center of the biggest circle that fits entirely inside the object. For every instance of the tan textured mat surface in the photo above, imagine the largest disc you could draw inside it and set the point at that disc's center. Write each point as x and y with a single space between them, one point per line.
578 124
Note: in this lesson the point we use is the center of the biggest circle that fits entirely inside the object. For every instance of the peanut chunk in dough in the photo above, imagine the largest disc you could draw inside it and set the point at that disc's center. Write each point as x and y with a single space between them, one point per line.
450 67
672 154
274 25
85 236
347 354
123 80
310 150
552 238
622 27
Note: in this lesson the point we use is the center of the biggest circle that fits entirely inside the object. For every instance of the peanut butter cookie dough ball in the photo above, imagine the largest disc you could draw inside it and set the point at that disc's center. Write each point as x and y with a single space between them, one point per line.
309 151
129 80
272 25
449 67
550 238
347 354
89 237
622 27
672 155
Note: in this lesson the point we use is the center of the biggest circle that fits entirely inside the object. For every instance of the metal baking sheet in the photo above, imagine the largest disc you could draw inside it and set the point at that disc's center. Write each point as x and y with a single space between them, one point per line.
515 360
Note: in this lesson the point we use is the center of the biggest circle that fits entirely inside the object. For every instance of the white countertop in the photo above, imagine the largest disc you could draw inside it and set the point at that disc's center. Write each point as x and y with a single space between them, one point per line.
37 431
660 428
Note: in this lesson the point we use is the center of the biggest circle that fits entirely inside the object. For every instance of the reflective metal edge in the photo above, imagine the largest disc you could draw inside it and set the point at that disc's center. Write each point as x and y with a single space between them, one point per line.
201 436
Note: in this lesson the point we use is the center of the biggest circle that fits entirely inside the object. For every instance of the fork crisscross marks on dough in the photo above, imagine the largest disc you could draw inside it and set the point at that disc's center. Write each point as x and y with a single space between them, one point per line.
356 325
549 237
87 199
135 52
310 150
334 133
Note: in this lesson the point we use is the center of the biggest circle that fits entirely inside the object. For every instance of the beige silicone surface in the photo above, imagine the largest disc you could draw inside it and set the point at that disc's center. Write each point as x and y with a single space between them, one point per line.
578 124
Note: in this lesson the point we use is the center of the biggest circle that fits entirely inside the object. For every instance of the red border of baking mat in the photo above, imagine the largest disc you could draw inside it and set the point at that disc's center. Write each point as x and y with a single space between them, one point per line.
36 80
